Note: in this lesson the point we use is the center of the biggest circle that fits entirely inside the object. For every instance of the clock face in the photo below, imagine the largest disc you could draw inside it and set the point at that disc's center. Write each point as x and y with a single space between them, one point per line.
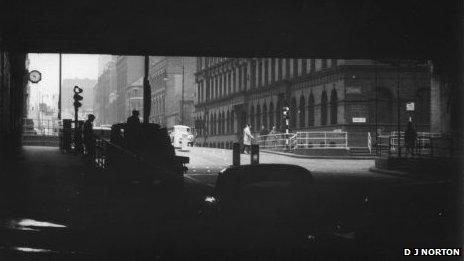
35 76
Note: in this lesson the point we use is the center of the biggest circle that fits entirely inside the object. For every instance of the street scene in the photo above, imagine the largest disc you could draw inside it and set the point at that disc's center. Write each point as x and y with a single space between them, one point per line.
233 134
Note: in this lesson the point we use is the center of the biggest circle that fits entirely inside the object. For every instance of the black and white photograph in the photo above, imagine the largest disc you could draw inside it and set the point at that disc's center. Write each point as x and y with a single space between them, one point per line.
230 130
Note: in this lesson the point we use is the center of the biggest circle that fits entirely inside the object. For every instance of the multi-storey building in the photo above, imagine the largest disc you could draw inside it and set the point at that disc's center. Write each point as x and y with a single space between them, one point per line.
129 69
172 82
105 106
357 96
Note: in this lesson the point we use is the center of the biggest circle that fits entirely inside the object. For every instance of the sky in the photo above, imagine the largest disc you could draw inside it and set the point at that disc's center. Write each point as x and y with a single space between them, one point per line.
73 66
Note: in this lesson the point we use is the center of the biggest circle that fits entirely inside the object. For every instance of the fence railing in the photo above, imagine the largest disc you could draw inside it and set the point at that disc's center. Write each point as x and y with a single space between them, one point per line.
304 140
426 144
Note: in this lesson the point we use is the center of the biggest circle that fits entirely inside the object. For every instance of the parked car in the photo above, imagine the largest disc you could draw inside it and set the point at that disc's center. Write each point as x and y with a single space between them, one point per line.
179 134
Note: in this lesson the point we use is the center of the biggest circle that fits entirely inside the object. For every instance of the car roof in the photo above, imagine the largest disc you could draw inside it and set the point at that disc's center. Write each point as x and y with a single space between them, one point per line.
264 171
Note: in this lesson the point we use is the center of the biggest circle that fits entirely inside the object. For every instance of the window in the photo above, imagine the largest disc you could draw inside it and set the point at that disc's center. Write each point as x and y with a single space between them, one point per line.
265 116
266 72
240 78
324 108
258 118
287 68
271 115
245 77
234 81
272 70
295 67
279 68
333 107
302 111
303 66
260 73
333 63
324 64
293 114
313 65
252 118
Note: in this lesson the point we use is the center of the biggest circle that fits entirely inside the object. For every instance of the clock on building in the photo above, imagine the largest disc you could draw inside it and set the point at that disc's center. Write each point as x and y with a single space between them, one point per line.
35 76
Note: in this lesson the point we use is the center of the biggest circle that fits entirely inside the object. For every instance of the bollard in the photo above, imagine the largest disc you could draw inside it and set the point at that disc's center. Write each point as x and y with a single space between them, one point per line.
236 154
254 156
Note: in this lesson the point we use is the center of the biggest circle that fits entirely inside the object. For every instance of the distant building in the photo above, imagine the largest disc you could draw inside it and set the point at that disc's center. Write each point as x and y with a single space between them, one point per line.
172 81
356 96
105 105
129 69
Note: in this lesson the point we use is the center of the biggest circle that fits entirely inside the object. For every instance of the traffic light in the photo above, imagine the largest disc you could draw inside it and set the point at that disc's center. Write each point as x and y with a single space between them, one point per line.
77 97
286 112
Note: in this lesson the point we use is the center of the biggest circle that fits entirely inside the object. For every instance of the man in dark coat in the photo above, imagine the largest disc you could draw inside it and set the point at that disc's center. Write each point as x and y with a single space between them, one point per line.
133 131
89 137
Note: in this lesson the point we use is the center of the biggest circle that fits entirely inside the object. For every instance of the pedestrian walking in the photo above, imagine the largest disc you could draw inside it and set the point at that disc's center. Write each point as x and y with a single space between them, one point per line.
133 131
410 138
247 137
89 137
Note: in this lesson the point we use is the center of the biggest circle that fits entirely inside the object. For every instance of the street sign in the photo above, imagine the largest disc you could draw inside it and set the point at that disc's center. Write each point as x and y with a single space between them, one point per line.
410 106
359 120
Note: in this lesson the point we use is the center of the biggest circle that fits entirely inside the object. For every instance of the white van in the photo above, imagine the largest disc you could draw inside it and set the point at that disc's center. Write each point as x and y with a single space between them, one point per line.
179 134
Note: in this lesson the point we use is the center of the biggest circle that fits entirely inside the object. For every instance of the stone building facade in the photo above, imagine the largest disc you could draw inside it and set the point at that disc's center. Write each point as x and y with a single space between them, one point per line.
172 80
356 96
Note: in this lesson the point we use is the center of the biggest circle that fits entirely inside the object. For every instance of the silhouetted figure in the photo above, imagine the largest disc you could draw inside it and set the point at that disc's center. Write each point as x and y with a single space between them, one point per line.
247 139
133 131
89 137
410 137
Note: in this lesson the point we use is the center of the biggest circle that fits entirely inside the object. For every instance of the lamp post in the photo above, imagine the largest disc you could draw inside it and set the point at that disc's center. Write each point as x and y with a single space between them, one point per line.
59 91
182 98
146 92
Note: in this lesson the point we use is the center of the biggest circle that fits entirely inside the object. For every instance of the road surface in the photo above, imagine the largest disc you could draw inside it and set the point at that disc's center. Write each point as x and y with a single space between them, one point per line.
205 163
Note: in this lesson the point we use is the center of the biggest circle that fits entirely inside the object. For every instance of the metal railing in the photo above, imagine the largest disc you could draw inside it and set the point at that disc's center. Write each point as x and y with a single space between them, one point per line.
277 141
304 140
424 145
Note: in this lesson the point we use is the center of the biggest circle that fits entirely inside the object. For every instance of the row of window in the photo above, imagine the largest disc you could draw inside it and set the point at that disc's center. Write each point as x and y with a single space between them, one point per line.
256 74
224 122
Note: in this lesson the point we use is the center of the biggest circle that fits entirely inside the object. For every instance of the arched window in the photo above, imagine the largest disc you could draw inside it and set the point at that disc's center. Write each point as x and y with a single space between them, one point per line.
258 118
252 117
219 131
311 110
302 112
232 121
277 113
272 122
210 124
228 122
324 108
265 116
293 114
223 123
215 124
333 107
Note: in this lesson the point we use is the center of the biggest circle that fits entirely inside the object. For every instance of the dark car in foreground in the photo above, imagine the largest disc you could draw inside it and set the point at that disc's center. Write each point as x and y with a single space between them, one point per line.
278 210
